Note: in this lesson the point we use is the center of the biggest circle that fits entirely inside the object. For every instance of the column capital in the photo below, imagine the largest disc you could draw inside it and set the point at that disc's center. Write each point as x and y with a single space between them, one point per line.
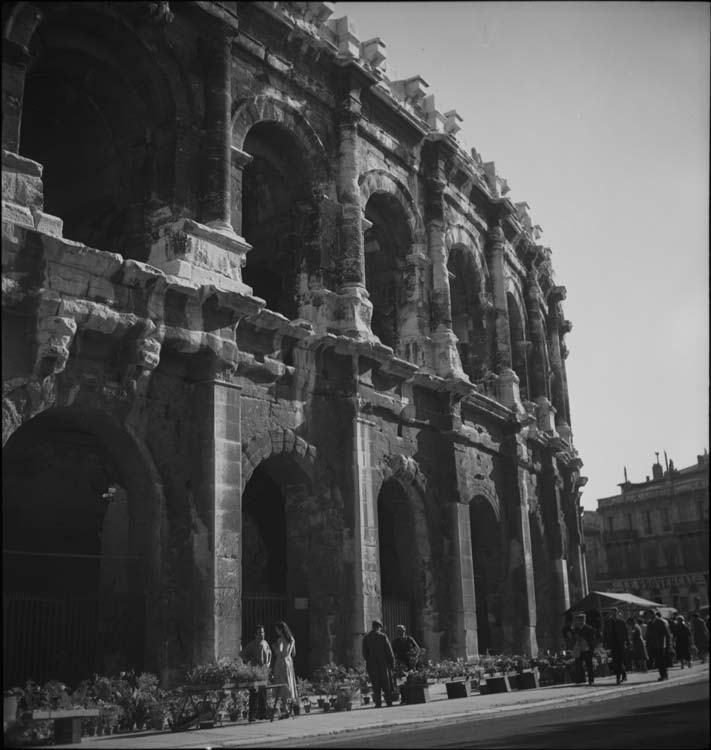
495 237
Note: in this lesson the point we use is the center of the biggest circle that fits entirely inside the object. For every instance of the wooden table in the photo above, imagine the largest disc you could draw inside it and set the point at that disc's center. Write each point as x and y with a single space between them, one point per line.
67 722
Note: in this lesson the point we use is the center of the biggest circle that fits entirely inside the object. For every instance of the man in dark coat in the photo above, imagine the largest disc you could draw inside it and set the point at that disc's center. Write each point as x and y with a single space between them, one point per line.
379 661
658 642
700 635
616 638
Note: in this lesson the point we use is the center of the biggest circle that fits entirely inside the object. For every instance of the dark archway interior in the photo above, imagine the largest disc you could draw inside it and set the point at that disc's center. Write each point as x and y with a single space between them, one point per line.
399 557
94 120
487 558
276 211
386 243
263 535
74 604
468 316
519 353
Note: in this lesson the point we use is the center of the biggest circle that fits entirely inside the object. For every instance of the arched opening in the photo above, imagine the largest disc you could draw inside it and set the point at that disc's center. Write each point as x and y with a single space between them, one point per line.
102 127
519 345
546 620
469 318
78 524
487 559
400 559
387 242
277 213
275 553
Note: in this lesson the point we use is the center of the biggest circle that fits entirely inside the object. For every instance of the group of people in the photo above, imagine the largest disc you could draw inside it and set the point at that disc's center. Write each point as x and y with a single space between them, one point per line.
640 643
385 660
279 657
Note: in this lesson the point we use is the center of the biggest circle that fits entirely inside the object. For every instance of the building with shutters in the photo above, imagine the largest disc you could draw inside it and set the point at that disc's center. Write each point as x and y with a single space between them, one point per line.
652 539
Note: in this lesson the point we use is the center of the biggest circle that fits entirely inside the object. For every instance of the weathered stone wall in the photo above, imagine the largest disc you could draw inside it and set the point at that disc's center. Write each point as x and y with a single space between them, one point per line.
303 346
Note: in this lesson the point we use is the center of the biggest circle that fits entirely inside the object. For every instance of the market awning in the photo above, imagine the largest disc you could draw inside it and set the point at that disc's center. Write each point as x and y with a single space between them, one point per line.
606 599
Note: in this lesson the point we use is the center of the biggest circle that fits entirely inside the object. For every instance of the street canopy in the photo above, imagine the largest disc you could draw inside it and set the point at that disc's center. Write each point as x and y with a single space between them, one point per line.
602 600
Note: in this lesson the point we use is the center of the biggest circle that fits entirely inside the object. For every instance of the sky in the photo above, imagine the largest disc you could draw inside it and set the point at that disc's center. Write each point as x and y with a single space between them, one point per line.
597 115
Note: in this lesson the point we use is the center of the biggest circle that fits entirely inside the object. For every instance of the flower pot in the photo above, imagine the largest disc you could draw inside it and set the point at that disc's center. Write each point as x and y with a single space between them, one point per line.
498 684
458 688
307 708
9 711
410 694
526 681
366 700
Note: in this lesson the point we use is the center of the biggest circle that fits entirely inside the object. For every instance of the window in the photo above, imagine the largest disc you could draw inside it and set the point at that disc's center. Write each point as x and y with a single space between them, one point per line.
648 522
610 523
666 525
629 520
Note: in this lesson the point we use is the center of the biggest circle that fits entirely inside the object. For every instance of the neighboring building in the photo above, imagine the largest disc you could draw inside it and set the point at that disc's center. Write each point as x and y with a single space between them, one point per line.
274 345
652 539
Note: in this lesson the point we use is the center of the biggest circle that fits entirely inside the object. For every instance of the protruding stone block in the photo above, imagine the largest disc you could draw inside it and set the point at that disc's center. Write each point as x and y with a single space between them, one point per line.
202 254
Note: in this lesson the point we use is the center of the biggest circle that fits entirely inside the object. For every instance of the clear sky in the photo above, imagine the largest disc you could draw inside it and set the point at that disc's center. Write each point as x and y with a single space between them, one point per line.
597 115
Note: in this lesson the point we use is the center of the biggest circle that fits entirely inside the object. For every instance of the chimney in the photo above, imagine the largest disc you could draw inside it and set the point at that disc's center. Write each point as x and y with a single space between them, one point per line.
657 471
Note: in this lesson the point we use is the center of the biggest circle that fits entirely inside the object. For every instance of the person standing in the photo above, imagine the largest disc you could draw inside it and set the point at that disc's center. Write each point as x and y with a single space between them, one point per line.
284 652
658 642
682 641
258 654
616 639
379 661
700 635
405 649
585 637
639 649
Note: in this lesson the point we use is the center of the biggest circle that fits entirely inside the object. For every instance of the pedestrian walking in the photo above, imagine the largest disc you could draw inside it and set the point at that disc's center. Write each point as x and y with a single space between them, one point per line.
658 642
405 649
682 641
379 662
284 653
585 637
258 654
616 640
700 634
639 648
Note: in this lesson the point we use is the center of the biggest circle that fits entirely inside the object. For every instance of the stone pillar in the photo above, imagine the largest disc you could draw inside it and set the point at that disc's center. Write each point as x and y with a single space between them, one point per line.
240 159
367 602
508 380
14 66
522 591
558 384
462 596
355 310
216 207
538 373
446 358
561 600
218 528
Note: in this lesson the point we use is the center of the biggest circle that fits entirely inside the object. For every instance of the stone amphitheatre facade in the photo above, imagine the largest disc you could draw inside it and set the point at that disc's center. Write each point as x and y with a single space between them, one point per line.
274 345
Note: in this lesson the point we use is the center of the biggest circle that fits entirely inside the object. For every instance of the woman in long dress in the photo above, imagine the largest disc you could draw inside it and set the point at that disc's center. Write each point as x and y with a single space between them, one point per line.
284 651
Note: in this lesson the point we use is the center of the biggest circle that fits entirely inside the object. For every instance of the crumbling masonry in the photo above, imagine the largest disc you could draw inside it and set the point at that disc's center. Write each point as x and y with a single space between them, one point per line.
274 345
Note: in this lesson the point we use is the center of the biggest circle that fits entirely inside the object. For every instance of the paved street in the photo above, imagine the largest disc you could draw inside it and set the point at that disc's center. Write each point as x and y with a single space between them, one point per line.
678 718
440 710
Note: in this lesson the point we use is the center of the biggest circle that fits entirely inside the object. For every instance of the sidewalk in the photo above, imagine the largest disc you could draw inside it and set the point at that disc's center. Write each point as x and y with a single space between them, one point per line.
439 708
